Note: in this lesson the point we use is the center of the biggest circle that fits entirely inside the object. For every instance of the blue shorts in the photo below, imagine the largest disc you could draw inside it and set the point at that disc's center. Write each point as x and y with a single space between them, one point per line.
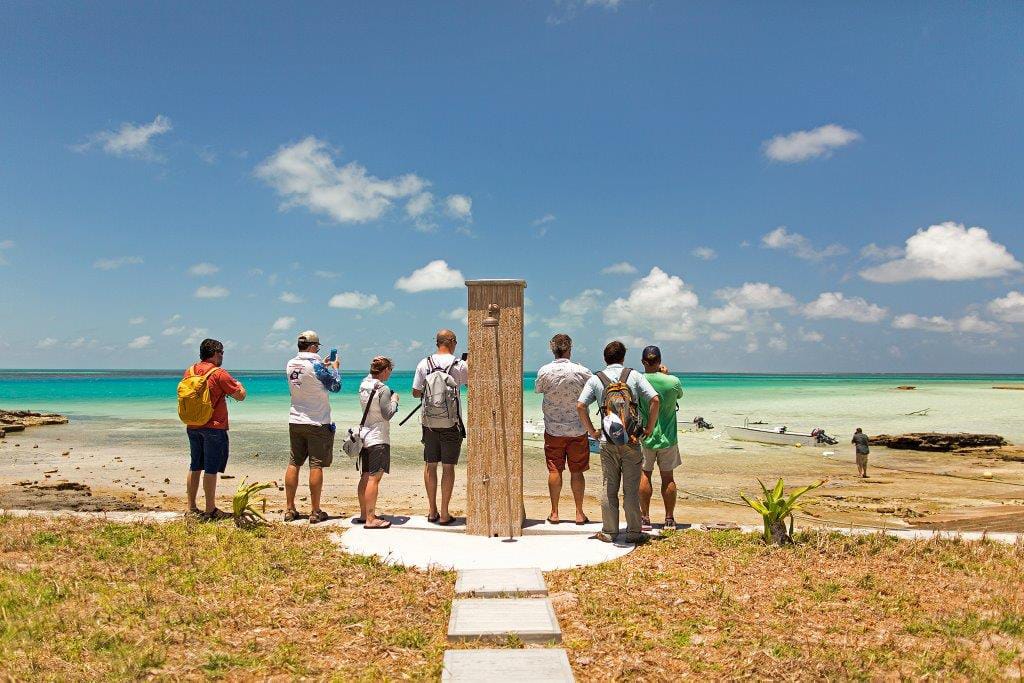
209 450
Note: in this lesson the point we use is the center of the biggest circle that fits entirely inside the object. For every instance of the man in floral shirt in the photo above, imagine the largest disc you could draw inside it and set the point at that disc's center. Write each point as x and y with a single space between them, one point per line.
565 438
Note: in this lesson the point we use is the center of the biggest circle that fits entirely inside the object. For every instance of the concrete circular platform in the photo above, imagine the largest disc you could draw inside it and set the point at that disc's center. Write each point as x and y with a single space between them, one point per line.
415 542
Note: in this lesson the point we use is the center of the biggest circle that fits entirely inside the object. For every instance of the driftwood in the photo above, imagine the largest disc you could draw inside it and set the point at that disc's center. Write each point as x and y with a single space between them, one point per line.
934 441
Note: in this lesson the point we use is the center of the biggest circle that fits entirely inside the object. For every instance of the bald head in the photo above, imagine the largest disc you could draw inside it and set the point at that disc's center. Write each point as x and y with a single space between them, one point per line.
446 341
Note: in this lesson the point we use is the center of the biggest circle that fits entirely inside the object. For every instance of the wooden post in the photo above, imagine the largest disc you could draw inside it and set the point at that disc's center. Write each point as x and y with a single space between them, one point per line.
494 470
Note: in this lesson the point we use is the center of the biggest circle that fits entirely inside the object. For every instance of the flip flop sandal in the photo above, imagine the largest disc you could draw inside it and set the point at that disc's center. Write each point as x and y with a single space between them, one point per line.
216 515
318 516
293 515
670 523
359 520
645 523
383 524
451 520
552 521
586 520
434 520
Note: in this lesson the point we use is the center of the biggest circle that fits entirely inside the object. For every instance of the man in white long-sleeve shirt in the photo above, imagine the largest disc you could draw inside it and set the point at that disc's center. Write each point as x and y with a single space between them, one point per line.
375 458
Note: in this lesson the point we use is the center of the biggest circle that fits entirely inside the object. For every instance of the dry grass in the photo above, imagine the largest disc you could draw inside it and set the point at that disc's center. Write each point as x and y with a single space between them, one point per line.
98 601
723 605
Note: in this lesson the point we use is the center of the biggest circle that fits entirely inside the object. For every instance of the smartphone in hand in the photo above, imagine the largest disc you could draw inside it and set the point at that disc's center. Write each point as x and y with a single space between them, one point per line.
465 357
333 357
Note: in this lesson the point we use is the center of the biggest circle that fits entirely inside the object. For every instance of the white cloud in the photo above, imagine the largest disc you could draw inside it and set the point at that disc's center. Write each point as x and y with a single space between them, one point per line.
115 263
798 245
435 275
836 305
5 245
947 251
197 335
137 320
305 174
202 269
546 218
290 298
620 268
214 292
777 344
572 311
873 252
326 274
143 342
130 140
208 157
1009 308
658 303
758 296
419 205
170 331
731 316
47 343
802 145
460 314
459 206
971 324
569 9
354 300
413 345
809 335
283 324
705 253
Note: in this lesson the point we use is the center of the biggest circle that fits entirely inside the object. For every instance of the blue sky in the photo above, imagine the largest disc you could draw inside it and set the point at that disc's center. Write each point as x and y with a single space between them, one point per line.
174 171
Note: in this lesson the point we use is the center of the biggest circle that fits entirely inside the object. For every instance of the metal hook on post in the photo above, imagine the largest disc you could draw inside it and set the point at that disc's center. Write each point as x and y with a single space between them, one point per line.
492 320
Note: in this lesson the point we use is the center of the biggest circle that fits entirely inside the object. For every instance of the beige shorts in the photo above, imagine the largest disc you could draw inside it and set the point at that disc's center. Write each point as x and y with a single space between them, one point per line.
667 459
862 459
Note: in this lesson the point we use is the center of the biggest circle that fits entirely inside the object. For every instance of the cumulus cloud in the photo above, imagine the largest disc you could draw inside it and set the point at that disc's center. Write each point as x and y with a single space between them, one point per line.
971 324
809 335
354 301
546 218
460 314
836 305
305 174
137 320
48 343
202 269
283 324
143 342
659 304
435 275
197 335
1009 308
803 145
214 292
115 263
572 311
947 251
290 298
795 243
620 268
778 344
172 331
873 252
130 140
730 315
705 253
4 246
757 296
459 206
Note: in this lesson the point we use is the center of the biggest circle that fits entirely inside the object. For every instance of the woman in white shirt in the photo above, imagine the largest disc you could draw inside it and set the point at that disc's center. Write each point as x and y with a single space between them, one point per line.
375 458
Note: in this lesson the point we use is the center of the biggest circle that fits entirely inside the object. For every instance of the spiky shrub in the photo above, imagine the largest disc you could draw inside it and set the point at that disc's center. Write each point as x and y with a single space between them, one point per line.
776 508
246 515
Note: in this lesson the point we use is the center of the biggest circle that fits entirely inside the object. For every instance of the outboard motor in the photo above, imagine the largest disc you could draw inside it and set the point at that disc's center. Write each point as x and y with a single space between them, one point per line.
821 437
700 423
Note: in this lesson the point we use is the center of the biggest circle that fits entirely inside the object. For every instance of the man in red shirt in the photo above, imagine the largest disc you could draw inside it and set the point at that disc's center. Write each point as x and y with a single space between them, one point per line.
209 442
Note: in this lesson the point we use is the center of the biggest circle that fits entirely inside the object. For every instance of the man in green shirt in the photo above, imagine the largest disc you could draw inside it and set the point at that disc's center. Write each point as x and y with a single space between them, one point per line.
661 448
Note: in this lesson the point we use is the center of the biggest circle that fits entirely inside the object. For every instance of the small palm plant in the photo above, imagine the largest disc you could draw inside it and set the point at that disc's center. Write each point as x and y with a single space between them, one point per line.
775 508
246 515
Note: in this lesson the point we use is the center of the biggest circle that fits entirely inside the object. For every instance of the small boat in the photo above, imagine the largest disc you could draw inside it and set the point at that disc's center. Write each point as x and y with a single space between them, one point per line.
779 437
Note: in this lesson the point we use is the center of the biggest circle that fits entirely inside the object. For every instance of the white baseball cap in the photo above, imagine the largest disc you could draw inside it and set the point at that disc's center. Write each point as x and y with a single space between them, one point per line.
309 337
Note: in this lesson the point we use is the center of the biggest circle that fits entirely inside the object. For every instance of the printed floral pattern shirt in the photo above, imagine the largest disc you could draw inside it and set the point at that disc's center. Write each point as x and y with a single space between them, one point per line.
561 382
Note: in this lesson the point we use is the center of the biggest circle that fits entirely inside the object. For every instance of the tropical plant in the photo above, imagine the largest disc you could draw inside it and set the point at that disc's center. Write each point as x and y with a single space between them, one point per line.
245 514
775 508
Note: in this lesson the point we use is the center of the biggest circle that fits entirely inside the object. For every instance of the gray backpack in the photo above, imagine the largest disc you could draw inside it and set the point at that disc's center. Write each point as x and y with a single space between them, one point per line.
441 409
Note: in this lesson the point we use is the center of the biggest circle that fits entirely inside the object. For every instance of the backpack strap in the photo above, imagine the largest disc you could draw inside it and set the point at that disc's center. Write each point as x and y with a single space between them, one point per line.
213 370
625 374
430 364
366 410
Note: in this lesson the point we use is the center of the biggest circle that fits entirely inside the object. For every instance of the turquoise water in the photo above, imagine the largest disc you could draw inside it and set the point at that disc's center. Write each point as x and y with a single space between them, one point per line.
138 408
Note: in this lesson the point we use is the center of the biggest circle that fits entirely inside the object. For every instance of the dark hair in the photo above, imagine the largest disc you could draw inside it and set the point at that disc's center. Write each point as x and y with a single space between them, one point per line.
561 345
209 348
651 356
380 364
303 345
615 352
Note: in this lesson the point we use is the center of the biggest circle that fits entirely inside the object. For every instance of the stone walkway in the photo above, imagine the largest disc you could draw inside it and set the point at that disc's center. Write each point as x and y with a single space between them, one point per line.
498 605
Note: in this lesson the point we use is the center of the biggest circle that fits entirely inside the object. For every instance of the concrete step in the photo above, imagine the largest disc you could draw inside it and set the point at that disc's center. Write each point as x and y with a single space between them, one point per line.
486 583
534 665
494 619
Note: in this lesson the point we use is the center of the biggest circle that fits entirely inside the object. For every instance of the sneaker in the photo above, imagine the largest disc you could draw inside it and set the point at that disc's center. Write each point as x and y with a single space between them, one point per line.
318 516
292 515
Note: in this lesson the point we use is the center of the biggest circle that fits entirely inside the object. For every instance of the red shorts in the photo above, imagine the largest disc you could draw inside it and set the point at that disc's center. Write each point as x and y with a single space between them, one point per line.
559 449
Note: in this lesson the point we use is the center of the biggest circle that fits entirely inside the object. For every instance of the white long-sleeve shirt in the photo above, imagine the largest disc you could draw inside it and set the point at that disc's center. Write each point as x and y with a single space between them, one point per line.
377 429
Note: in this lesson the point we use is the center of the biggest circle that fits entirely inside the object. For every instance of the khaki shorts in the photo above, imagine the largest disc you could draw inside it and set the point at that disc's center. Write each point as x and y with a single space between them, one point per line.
667 459
862 459
315 442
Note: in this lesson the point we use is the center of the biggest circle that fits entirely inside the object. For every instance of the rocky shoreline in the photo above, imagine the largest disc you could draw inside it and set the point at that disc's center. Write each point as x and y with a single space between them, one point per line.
18 420
937 441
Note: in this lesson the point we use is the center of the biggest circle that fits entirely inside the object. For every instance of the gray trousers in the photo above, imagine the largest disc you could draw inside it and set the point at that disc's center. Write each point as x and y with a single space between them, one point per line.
620 465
